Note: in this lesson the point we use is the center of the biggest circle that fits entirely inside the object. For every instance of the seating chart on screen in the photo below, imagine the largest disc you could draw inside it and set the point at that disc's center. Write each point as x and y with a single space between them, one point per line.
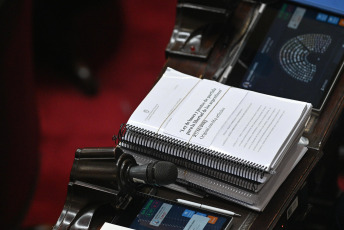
295 51
299 55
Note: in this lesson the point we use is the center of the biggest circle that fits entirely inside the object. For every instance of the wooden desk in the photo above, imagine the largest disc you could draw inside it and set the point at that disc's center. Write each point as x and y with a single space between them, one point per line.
318 131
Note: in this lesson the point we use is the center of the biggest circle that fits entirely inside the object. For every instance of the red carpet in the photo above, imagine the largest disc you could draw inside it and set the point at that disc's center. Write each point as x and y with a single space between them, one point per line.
70 120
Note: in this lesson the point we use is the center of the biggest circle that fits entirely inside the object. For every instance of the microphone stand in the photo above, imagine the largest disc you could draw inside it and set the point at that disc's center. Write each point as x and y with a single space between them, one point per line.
98 188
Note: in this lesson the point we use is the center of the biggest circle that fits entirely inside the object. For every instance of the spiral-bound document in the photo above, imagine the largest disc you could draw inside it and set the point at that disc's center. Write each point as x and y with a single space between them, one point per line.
193 181
237 136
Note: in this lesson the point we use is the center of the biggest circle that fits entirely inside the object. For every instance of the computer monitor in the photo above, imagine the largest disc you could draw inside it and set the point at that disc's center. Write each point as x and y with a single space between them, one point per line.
295 51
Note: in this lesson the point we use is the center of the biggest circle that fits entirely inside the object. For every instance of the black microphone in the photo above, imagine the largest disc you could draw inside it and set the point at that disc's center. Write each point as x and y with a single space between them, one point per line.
112 168
156 173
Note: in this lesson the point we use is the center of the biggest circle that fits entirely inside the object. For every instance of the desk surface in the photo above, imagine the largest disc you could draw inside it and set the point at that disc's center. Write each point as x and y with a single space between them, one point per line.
318 131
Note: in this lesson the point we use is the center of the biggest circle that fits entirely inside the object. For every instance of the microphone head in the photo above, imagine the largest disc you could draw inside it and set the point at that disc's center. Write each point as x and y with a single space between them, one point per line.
156 173
162 173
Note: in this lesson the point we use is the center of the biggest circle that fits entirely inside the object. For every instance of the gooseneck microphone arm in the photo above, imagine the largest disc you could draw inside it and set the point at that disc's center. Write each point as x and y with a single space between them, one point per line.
102 180
105 167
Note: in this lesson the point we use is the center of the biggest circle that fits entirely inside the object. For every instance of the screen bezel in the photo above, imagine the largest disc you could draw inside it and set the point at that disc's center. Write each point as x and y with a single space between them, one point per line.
256 38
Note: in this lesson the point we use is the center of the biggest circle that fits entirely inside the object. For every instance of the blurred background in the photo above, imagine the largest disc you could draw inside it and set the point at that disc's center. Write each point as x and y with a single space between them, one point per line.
71 72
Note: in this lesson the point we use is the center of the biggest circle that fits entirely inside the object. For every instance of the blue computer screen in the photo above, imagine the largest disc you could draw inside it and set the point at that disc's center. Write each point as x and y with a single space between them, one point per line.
299 55
334 6
157 214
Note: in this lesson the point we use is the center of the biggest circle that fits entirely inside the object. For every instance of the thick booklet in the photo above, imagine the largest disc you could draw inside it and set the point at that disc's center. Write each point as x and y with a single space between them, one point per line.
234 136
188 181
225 128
